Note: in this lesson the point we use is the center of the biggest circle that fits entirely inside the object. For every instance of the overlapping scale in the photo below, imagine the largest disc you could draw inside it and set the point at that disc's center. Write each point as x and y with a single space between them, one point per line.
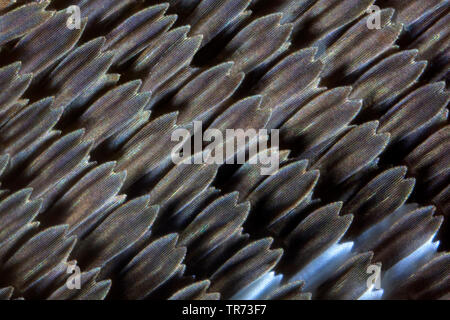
34 260
13 84
310 130
196 291
272 206
247 265
27 131
349 281
416 114
203 97
20 21
108 244
56 168
18 215
382 196
254 46
378 86
359 46
213 226
45 45
114 111
80 71
282 89
324 18
429 282
144 274
400 234
355 151
180 186
87 202
148 151
90 288
429 162
312 237
135 33
210 17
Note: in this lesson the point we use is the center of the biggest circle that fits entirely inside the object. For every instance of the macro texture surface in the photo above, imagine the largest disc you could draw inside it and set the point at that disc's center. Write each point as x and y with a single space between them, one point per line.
356 91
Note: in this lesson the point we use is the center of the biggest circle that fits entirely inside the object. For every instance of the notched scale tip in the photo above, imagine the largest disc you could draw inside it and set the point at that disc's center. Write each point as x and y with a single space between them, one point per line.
247 265
27 131
144 274
359 45
325 17
100 13
90 288
290 291
433 43
117 140
291 9
113 111
147 59
167 89
108 244
189 180
184 7
420 110
379 86
244 114
29 17
349 282
249 175
430 159
148 150
17 215
80 72
222 218
57 167
274 200
74 61
104 83
314 235
442 200
37 257
196 291
169 62
135 33
13 84
88 200
222 253
211 17
406 235
44 46
405 232
352 153
284 90
429 282
185 216
311 127
410 12
203 96
256 45
382 196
